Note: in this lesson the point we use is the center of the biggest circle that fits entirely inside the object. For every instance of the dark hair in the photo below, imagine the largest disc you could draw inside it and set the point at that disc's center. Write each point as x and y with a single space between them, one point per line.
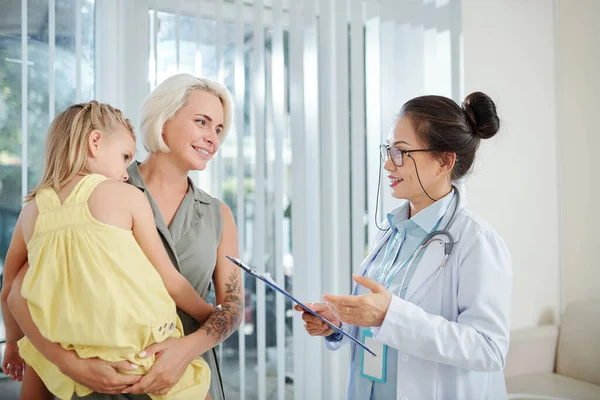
445 127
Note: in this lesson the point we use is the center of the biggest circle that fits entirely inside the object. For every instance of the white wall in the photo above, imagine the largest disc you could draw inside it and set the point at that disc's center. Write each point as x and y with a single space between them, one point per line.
509 54
578 104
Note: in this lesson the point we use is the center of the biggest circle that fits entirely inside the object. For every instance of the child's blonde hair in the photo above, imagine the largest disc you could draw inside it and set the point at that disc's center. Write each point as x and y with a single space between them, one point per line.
66 154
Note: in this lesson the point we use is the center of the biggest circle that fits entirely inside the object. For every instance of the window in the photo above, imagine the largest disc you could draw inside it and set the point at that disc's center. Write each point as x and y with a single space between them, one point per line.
59 71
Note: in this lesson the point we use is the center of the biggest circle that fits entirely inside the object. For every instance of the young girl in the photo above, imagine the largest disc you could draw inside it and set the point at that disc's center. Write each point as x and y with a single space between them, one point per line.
88 237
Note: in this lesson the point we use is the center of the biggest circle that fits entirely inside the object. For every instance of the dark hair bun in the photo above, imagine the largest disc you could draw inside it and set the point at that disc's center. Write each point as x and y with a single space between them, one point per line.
480 112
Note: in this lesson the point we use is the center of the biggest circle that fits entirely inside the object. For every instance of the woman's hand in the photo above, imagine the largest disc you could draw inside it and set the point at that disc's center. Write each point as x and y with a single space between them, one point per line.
172 358
101 376
12 363
366 310
313 325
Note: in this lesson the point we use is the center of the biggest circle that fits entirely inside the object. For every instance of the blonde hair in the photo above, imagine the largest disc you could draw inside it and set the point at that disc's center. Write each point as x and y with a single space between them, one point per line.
168 97
66 154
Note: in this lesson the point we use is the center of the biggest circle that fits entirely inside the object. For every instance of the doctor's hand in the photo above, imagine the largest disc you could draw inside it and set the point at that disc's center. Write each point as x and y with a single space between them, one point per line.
313 325
367 310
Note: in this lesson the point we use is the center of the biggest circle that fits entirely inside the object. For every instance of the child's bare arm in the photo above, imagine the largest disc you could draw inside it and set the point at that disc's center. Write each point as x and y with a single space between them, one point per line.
15 258
180 289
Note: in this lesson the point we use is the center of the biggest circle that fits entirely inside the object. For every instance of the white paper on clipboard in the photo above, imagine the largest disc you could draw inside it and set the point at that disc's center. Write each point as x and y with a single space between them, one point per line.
266 278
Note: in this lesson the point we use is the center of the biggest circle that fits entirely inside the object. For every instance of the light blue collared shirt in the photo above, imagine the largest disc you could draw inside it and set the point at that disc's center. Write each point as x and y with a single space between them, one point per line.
411 233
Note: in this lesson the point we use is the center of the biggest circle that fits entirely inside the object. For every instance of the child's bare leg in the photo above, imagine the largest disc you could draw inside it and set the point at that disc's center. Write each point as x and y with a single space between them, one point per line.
208 397
33 387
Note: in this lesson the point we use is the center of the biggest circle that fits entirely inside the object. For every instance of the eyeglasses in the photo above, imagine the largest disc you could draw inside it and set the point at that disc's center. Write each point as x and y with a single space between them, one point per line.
396 154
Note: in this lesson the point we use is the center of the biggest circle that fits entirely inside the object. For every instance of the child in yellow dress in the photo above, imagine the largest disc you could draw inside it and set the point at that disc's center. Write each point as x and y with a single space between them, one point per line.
99 281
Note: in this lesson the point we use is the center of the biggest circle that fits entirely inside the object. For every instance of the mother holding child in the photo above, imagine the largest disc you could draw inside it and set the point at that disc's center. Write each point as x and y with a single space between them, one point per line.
91 300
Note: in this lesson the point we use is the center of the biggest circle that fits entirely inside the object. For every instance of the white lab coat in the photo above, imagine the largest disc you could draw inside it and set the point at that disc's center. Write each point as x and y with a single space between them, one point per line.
453 344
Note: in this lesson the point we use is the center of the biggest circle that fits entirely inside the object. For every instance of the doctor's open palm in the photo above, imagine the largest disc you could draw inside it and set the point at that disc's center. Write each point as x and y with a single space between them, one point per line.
313 325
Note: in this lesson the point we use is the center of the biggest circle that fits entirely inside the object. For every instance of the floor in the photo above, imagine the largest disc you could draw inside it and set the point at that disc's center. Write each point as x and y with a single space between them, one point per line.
9 390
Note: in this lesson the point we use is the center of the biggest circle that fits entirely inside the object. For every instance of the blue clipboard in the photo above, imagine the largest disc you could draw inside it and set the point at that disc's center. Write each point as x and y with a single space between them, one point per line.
253 272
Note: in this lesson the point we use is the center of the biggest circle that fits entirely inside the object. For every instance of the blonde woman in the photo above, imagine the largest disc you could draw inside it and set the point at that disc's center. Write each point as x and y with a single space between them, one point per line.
89 238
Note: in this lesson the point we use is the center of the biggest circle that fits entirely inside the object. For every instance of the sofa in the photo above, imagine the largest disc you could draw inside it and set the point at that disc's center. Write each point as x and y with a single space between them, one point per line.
557 361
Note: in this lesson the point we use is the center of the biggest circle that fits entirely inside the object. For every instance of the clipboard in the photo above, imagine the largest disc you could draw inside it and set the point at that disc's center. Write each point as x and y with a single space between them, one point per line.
270 282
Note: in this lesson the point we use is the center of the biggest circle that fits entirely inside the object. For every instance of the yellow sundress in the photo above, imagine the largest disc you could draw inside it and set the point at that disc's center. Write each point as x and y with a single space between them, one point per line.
91 288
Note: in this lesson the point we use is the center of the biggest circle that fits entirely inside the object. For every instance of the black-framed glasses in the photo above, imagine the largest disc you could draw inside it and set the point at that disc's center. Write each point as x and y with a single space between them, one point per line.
396 154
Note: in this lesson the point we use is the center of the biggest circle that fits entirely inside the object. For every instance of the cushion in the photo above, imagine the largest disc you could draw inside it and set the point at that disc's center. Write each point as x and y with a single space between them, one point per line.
531 351
553 386
578 354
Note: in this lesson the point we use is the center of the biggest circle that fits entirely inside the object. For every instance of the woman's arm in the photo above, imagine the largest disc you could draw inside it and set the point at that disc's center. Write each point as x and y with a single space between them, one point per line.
15 258
477 341
12 363
20 309
226 318
98 375
179 288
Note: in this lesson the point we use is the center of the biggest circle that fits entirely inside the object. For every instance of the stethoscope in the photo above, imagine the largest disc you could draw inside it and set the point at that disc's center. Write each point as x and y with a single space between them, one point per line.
431 238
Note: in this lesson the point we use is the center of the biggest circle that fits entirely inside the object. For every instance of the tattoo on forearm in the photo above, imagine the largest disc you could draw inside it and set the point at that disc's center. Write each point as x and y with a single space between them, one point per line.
225 319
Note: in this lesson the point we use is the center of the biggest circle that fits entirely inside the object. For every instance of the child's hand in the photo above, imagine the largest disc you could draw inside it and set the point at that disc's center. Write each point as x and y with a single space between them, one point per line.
12 363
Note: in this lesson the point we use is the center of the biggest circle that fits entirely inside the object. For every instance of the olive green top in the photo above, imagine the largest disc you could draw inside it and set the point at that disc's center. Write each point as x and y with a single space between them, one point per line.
191 241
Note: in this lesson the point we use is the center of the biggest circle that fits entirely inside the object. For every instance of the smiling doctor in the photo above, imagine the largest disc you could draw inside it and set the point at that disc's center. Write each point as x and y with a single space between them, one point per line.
433 296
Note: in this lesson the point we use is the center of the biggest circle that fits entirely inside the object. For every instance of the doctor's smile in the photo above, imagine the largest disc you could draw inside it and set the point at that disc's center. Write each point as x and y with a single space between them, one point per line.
394 181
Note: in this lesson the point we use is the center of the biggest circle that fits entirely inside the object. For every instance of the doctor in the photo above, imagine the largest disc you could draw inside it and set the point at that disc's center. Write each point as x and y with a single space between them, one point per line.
433 296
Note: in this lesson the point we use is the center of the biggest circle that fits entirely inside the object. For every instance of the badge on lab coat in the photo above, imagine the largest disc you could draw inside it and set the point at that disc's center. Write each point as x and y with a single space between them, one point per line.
373 368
